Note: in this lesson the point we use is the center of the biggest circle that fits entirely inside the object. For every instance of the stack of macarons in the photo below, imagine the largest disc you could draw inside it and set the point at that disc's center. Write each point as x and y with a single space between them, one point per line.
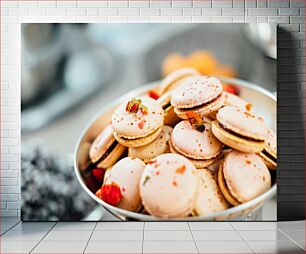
188 149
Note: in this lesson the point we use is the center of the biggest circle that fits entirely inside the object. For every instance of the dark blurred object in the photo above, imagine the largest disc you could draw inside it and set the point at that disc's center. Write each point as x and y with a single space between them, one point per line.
49 188
42 47
60 68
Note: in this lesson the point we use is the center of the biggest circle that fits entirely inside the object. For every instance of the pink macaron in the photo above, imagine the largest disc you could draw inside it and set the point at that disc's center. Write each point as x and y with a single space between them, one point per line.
209 198
137 122
126 174
269 153
105 150
201 95
242 177
168 186
201 147
240 129
236 101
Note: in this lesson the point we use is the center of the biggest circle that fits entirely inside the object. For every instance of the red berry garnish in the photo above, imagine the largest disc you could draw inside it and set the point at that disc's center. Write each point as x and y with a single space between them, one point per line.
153 94
231 89
152 161
110 193
98 174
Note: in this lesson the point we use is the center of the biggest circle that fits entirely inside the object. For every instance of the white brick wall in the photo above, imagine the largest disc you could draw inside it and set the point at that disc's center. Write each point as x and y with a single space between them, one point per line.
290 14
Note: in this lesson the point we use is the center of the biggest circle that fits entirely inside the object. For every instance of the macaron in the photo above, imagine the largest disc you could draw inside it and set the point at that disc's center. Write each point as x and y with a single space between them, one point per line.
83 157
240 129
243 177
168 186
175 78
126 174
157 147
209 198
201 95
201 147
170 118
269 153
231 99
105 149
234 100
137 122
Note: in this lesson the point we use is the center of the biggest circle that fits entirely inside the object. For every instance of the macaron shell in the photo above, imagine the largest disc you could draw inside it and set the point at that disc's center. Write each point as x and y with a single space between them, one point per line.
138 142
126 173
170 117
270 150
113 156
101 143
242 122
168 186
157 147
83 157
224 189
205 110
196 91
234 100
271 143
241 144
193 143
196 163
209 198
271 164
246 175
174 79
131 125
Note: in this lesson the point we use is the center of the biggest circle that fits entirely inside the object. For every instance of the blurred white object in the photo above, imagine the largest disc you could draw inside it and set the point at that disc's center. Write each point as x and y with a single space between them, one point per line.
263 35
89 68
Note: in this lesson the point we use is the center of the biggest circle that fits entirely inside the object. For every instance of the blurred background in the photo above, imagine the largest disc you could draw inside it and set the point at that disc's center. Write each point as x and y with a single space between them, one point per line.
71 71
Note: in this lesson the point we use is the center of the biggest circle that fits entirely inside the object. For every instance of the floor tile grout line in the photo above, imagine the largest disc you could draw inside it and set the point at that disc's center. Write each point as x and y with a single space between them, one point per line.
10 228
273 225
196 245
244 240
290 238
42 238
143 232
93 230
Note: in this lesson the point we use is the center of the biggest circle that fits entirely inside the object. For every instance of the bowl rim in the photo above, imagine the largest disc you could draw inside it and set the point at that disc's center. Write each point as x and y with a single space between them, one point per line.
127 215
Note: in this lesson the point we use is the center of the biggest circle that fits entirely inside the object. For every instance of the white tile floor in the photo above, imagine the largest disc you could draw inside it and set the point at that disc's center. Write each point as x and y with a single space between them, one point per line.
152 237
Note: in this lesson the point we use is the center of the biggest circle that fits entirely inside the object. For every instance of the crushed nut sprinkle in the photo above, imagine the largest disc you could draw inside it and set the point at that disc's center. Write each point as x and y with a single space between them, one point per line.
174 183
147 178
181 170
135 105
196 121
142 123
248 107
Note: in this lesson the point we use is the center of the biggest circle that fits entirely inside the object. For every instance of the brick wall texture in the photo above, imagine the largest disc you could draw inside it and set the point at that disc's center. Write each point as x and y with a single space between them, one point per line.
289 14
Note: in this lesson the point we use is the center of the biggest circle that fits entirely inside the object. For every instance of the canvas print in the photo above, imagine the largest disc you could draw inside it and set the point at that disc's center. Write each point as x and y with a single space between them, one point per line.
148 122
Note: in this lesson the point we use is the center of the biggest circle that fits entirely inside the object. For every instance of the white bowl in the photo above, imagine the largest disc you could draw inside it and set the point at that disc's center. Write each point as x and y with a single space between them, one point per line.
264 104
